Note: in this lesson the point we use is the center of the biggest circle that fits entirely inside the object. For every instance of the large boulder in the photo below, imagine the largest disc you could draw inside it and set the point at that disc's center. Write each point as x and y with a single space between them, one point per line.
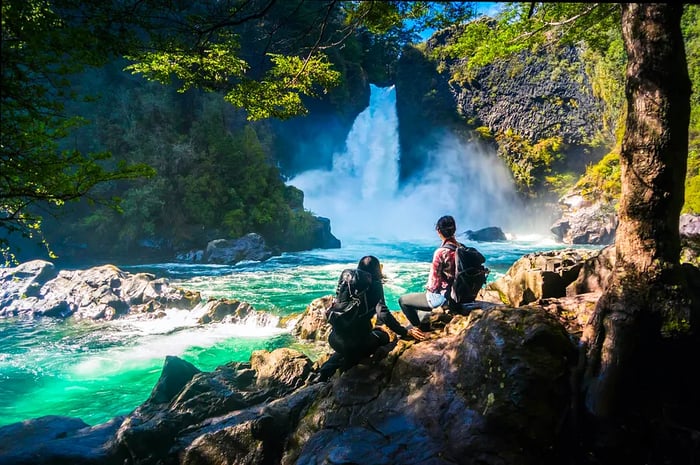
490 234
24 281
250 247
585 221
538 275
454 399
595 222
57 440
312 326
187 404
594 273
99 293
235 311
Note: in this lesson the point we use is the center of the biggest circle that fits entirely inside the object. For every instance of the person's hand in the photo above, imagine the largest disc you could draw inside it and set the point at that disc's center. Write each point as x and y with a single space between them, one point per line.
417 334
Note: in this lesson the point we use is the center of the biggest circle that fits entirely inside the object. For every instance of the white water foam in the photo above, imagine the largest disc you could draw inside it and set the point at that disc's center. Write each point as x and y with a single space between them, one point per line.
362 196
173 334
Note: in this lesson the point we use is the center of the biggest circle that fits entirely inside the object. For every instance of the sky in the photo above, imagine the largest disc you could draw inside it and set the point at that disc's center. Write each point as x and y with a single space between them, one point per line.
483 8
489 8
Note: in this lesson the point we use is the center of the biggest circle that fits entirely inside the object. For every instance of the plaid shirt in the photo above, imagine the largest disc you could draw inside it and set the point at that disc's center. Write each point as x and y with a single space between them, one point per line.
442 270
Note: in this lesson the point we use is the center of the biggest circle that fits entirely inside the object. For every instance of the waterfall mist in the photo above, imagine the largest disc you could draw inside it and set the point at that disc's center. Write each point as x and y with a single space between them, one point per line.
362 196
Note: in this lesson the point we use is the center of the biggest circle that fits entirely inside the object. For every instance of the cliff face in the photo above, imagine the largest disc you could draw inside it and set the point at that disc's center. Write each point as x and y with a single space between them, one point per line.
424 105
537 96
537 109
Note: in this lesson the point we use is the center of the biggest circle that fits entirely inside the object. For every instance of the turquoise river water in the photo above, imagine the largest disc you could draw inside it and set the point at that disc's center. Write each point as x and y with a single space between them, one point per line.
96 371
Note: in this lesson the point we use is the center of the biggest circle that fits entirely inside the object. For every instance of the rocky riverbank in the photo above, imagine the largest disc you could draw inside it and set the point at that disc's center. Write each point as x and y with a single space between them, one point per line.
495 386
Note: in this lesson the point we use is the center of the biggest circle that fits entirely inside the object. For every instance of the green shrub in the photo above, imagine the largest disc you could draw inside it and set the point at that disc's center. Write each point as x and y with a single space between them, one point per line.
602 180
484 132
530 163
561 183
692 185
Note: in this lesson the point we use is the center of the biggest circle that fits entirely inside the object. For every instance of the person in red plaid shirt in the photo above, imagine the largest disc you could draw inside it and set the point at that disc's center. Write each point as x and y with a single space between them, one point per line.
442 272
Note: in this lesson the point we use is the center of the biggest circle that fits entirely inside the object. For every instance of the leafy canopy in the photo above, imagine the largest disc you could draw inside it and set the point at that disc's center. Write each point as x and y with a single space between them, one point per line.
39 165
528 26
207 48
264 56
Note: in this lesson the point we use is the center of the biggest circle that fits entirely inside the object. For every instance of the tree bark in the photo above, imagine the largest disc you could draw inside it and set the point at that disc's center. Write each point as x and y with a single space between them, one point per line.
647 305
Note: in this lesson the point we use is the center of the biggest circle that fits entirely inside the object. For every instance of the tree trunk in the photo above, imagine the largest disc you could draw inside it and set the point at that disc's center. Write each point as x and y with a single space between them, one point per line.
647 307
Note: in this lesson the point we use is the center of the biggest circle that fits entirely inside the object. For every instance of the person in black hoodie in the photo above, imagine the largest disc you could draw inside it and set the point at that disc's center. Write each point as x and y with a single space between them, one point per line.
364 339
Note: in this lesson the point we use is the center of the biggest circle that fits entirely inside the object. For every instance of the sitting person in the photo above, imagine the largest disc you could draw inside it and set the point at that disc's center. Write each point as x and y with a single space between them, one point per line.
442 272
364 339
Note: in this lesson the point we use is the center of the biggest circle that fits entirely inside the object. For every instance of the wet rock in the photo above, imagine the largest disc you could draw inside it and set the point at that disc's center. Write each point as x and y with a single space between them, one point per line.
539 275
99 293
490 234
57 440
229 252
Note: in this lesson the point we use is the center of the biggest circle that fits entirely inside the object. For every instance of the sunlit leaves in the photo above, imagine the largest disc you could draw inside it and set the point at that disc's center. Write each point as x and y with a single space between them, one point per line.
206 53
692 184
211 68
278 94
571 23
602 180
691 34
40 51
380 17
526 26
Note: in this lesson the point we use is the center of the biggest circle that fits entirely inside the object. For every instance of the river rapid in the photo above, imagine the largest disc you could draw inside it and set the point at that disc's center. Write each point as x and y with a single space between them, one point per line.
98 370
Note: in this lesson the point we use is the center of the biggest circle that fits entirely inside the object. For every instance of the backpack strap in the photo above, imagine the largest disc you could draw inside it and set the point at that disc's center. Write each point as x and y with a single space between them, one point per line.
360 295
453 248
448 246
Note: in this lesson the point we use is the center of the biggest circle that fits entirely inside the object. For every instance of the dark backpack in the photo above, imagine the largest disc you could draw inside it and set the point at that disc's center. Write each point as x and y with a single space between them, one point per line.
470 274
349 304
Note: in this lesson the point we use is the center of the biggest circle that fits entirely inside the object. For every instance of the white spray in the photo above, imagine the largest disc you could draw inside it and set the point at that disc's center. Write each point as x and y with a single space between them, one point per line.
363 199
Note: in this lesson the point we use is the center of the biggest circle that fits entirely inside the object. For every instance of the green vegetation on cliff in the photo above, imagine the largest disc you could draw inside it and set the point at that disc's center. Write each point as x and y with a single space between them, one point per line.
215 174
538 166
602 180
532 164
691 33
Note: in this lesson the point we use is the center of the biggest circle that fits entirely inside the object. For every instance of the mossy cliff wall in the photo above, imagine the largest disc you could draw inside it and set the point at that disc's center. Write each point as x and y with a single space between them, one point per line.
538 110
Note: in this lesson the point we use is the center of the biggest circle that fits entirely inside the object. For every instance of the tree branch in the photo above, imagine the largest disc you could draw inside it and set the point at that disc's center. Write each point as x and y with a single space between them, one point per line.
548 25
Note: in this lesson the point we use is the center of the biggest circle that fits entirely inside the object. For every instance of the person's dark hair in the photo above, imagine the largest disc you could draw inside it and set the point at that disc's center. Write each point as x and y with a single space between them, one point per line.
370 264
446 226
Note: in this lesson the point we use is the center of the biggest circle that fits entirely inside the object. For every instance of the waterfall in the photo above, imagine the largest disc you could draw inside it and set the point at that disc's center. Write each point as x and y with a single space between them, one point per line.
362 196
